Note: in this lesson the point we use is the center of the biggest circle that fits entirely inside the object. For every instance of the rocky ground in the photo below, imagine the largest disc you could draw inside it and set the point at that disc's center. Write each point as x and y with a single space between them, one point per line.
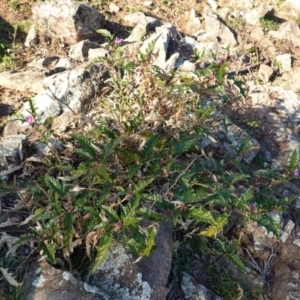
260 44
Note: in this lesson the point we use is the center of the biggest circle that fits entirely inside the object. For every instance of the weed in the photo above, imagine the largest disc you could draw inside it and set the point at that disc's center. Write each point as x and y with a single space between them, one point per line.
268 23
142 163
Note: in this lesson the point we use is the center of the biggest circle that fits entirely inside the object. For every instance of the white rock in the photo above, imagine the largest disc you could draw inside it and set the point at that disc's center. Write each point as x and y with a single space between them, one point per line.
294 3
113 7
134 18
193 23
80 51
252 16
214 26
22 81
285 61
265 72
31 38
66 20
148 3
96 53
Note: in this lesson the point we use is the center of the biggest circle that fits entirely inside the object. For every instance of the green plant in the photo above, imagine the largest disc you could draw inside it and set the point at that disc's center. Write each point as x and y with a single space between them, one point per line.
268 23
142 163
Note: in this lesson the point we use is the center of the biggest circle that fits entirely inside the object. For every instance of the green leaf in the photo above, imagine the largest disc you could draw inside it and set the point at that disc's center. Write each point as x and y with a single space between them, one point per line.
110 213
148 147
247 196
238 262
130 209
68 229
45 216
150 215
88 150
293 162
49 250
130 221
150 242
215 228
142 184
102 249
180 147
132 171
56 185
103 174
199 215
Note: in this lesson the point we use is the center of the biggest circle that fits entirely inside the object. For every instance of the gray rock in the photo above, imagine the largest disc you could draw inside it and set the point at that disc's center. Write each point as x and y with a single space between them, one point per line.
252 16
265 72
294 3
63 122
66 20
287 31
46 105
31 38
195 291
262 239
80 51
121 278
11 148
134 18
257 34
215 26
23 81
48 283
193 23
285 61
97 53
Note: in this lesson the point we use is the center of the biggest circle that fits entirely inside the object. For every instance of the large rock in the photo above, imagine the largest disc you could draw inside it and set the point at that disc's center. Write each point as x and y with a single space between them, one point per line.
195 291
215 26
66 20
121 278
48 283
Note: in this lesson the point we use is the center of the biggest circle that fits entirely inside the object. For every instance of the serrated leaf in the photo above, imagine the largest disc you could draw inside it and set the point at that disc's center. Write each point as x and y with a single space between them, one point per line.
44 216
129 210
142 184
132 171
104 175
293 162
68 229
150 242
49 251
89 150
247 196
184 146
199 215
148 147
102 249
56 185
150 215
215 228
238 262
10 279
110 213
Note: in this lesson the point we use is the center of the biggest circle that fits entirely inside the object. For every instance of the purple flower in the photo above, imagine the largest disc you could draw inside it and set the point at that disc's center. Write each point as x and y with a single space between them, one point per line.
219 61
119 41
30 119
253 206
296 173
